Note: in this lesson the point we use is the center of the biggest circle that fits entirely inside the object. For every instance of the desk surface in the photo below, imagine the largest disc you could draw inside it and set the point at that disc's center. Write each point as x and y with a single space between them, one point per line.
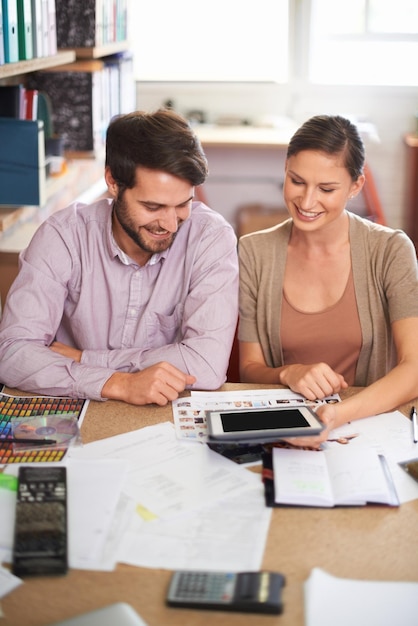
375 543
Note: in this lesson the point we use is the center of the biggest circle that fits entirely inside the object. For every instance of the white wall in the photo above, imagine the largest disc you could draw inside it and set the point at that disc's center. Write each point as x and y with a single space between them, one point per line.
391 109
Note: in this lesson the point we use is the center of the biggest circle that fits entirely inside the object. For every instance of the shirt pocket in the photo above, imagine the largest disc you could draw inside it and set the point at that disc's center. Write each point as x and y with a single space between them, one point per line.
164 329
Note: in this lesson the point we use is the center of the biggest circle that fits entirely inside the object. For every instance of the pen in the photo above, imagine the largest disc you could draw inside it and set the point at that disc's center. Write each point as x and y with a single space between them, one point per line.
414 424
39 442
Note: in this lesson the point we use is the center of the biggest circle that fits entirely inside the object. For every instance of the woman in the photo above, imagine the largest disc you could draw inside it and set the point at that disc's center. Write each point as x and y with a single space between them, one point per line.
329 299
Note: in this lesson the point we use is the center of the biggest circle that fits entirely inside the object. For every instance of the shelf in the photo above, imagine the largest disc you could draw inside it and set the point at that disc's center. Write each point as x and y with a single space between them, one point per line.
61 58
40 63
101 51
82 181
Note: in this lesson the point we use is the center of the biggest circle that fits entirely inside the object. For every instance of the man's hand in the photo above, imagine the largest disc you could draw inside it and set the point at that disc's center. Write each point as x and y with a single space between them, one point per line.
158 384
315 381
64 350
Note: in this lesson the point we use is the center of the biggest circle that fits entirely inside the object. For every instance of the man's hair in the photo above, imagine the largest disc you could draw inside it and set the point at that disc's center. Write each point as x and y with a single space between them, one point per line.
162 140
332 135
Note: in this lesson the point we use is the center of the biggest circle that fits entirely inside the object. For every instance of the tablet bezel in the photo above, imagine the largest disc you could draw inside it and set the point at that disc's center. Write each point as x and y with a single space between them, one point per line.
216 431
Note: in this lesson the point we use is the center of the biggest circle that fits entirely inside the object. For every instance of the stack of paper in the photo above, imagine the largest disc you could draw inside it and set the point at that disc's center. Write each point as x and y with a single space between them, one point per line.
182 506
330 601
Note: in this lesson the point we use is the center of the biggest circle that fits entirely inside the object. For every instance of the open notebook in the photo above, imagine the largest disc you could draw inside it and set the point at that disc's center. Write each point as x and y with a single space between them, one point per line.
348 476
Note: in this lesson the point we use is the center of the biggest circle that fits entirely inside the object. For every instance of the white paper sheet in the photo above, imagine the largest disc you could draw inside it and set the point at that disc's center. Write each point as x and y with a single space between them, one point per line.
8 582
227 536
185 506
331 601
8 491
389 434
168 477
190 413
94 489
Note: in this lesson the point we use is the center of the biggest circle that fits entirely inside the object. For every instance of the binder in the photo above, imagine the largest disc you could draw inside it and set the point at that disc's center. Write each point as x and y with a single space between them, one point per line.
24 29
10 35
1 36
37 43
124 92
22 162
52 27
45 28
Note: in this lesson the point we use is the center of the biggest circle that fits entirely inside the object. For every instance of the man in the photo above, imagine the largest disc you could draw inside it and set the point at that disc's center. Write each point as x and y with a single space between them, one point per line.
132 298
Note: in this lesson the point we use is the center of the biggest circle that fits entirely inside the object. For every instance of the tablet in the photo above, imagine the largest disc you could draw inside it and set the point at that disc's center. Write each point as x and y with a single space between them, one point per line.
262 424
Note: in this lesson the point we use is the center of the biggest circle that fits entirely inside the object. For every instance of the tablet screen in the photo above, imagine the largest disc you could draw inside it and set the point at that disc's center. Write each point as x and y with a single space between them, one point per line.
262 420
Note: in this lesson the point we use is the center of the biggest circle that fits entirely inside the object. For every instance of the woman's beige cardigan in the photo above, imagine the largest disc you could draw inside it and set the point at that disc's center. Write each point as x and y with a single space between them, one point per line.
386 285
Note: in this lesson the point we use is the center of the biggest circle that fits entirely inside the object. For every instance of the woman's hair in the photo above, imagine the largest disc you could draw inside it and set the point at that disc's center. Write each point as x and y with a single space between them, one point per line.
332 135
162 140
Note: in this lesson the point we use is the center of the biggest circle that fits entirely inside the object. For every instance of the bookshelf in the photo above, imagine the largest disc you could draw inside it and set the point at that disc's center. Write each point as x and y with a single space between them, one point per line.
9 70
96 50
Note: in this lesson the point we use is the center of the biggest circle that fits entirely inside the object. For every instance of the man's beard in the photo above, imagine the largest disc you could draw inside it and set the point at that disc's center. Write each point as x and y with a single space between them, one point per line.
151 247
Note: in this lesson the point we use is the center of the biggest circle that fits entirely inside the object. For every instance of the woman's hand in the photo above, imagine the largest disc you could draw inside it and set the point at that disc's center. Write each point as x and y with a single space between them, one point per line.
315 381
327 413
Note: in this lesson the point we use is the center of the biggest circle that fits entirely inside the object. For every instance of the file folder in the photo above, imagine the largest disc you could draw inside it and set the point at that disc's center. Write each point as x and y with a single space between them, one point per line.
37 32
22 162
10 35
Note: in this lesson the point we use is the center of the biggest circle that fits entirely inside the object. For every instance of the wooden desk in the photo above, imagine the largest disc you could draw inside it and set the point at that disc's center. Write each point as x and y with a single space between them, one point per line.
375 543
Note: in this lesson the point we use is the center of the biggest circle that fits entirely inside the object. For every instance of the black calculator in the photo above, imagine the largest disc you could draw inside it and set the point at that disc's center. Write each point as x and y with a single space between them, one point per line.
40 539
252 592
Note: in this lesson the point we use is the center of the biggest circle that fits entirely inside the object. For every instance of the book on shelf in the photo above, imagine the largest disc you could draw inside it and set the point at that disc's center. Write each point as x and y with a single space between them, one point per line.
12 103
52 27
30 99
1 35
10 33
22 162
340 476
45 28
18 102
123 95
37 26
24 29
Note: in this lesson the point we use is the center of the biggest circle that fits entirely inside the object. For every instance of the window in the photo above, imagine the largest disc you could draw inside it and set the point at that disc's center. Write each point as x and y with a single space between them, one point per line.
221 40
373 42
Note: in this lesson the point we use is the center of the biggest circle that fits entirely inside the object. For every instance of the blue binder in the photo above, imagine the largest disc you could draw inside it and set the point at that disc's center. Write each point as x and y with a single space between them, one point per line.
22 162
10 34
